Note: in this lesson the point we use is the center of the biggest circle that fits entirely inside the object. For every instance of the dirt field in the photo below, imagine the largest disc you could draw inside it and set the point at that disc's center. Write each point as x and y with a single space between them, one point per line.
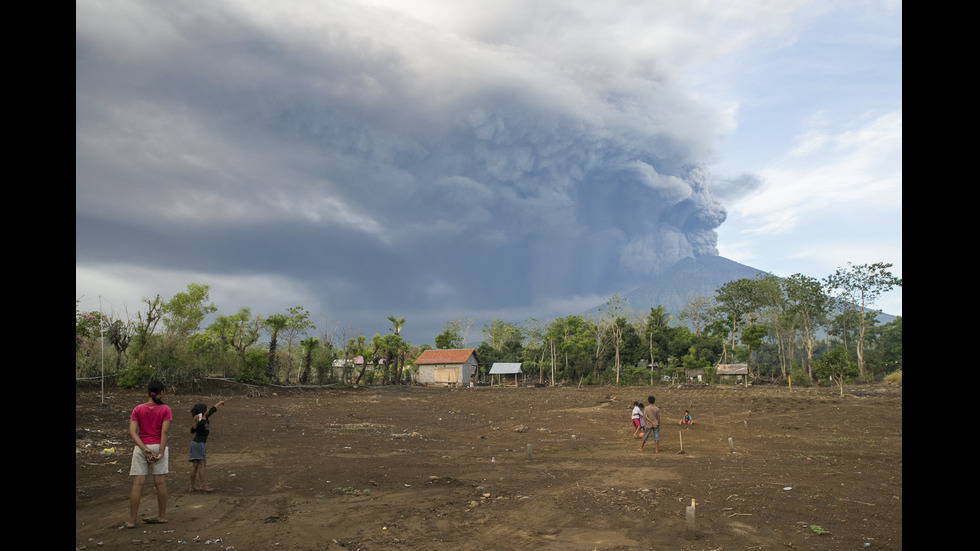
495 468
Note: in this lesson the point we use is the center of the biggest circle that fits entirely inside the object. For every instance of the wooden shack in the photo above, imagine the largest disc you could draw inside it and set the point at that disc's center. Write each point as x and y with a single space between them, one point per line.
740 372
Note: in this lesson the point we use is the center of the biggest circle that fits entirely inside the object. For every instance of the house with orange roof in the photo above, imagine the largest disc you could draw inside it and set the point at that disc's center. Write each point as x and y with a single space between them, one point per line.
450 366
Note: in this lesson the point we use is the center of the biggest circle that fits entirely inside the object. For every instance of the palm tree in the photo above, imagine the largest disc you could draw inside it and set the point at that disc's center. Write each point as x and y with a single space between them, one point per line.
309 346
396 328
274 323
658 321
396 324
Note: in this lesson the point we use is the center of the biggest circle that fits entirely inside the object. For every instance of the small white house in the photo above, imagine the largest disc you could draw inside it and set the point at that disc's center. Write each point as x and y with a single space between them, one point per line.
504 371
446 366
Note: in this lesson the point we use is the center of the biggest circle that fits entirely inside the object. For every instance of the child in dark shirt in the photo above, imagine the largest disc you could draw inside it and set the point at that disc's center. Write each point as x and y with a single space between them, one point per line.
198 454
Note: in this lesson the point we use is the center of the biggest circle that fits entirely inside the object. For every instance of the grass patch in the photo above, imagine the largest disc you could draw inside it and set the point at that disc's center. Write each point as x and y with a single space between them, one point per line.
351 491
347 428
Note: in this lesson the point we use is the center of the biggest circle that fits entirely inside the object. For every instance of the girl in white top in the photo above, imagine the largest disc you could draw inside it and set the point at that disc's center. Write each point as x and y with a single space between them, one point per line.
637 418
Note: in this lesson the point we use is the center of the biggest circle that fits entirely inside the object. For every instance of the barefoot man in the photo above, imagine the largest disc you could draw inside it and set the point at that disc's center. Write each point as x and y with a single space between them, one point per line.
652 415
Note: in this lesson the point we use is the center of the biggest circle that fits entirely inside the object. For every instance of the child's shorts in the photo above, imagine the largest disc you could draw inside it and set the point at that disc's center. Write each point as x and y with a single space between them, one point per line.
198 451
636 422
141 467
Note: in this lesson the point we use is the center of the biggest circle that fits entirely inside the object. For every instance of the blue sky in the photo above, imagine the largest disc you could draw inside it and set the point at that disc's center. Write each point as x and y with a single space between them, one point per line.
439 160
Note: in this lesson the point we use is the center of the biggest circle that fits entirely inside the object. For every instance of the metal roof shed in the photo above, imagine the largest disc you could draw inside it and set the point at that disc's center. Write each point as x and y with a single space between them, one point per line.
739 371
500 369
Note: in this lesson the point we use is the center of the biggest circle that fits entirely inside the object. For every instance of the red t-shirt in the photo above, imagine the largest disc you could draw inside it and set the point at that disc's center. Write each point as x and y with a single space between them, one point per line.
150 418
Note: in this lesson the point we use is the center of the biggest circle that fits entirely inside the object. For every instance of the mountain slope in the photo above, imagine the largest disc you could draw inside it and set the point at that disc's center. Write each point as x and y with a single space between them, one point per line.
689 277
692 277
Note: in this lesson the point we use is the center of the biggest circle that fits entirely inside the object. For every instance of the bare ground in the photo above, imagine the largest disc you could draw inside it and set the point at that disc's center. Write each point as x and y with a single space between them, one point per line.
496 468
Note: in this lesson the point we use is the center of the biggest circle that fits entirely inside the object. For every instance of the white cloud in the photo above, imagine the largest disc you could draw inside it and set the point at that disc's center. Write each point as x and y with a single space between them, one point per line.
825 171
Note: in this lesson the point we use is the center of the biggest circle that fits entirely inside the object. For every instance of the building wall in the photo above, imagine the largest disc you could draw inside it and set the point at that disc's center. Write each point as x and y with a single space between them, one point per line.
427 373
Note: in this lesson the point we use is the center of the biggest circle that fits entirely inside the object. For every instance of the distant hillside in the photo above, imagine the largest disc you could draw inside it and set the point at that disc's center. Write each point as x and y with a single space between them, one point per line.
691 277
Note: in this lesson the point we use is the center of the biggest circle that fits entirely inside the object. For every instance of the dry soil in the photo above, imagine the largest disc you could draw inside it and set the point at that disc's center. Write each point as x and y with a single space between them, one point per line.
504 468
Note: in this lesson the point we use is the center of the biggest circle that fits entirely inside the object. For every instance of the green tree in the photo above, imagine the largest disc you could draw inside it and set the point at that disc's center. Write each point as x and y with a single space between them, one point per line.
88 330
889 346
238 332
145 328
741 301
843 327
693 361
767 302
356 346
611 322
396 324
274 324
859 288
451 336
569 342
298 323
184 312
119 335
808 303
837 366
390 349
309 346
597 332
708 348
350 351
501 334
752 336
399 348
656 332
216 356
534 350
734 300
251 367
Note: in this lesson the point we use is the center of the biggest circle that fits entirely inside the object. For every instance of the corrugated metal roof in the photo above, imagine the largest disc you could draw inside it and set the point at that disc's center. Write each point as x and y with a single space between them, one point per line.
505 368
733 369
445 356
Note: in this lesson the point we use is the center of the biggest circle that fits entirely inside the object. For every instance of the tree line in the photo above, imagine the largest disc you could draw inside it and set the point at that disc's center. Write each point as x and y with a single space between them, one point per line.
797 329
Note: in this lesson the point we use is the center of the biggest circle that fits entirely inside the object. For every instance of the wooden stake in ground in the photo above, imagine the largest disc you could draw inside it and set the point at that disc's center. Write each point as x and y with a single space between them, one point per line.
690 517
681 435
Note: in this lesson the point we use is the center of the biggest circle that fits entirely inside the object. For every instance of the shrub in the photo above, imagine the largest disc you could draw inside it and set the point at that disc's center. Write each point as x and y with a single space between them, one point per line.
252 370
632 375
136 374
710 374
894 378
799 377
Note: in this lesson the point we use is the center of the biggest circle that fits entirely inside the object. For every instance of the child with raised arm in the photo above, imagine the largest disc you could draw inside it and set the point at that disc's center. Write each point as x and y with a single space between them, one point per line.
200 428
